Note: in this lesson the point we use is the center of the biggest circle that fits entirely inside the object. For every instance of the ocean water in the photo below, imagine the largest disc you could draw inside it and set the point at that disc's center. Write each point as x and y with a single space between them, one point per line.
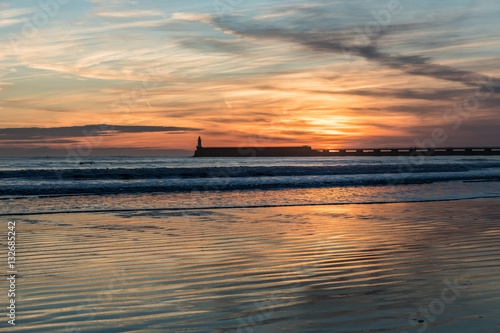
316 245
36 185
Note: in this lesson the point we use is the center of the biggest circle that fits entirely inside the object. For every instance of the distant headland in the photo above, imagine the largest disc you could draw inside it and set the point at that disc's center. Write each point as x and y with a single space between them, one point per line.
308 151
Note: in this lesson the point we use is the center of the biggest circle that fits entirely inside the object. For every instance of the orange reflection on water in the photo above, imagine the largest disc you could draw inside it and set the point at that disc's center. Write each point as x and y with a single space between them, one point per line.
210 268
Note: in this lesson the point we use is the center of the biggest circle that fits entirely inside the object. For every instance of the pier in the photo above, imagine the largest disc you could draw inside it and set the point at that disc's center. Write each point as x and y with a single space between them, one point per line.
455 151
308 151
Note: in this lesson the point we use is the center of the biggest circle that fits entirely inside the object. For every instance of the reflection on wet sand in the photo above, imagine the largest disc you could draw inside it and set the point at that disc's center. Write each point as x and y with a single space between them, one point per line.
352 268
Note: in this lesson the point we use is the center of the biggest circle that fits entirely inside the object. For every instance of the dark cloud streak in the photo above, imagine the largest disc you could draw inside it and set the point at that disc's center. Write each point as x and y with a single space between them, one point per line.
314 36
37 134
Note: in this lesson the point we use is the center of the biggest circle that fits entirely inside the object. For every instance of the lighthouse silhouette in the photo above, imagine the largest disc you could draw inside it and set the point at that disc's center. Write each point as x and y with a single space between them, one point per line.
199 142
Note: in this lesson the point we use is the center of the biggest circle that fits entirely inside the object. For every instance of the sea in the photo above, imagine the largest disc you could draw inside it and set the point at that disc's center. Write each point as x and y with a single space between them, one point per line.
59 184
251 245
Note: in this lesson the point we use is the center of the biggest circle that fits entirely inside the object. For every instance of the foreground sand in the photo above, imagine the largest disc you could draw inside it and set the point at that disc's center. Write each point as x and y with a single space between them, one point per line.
410 267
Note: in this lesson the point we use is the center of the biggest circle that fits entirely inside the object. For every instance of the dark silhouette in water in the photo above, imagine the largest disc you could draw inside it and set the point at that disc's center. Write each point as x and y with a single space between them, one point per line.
308 151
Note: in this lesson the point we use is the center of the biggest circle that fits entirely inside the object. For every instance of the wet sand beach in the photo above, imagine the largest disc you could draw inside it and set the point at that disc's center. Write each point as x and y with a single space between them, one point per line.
397 267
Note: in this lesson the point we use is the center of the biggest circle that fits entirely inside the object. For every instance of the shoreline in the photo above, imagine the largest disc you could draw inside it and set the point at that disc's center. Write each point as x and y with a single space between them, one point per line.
245 207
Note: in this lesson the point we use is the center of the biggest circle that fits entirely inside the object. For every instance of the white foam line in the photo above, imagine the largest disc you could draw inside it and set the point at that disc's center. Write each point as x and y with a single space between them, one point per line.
239 207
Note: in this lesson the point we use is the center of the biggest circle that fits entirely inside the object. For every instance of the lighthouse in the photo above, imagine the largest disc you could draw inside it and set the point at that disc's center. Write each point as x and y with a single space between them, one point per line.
199 143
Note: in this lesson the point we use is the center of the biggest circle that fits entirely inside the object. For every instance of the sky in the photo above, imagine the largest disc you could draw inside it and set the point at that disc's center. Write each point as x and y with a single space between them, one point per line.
157 74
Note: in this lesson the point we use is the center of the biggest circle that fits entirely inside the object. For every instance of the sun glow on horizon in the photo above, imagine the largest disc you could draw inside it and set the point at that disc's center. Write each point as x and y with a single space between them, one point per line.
265 74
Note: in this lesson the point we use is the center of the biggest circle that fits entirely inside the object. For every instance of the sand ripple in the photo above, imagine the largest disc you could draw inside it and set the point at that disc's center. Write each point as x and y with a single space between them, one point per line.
353 268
